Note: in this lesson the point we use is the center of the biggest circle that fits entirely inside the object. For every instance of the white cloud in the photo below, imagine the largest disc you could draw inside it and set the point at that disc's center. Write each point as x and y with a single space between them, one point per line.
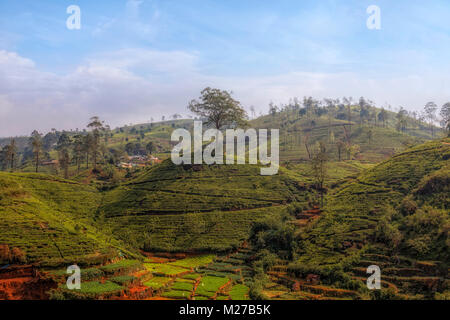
133 85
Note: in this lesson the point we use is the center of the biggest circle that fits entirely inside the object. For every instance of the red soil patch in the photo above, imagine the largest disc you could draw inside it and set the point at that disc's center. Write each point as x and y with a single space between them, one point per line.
24 283
158 298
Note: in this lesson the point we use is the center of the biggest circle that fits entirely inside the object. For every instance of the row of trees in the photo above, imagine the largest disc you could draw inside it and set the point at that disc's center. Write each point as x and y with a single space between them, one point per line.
81 146
8 156
347 107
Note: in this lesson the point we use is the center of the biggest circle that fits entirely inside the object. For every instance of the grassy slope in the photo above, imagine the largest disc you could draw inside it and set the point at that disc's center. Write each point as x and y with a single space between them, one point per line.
49 217
385 141
174 208
358 206
398 208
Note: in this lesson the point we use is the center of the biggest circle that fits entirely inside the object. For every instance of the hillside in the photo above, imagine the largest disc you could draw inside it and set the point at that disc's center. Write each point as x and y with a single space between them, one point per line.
51 220
396 216
346 137
199 207
393 214
372 141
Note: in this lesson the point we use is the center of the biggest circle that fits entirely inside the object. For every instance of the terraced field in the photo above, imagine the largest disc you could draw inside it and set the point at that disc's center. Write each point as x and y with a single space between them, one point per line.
49 218
179 208
194 277
394 216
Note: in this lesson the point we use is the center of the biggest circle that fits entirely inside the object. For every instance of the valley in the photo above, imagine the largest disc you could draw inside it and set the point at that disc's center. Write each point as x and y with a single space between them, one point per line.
225 232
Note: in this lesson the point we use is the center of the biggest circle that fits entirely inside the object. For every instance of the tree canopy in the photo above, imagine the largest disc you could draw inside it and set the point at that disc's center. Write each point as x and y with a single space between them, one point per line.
219 108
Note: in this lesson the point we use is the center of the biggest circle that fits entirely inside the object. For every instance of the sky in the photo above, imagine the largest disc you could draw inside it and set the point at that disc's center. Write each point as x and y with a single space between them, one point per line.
134 60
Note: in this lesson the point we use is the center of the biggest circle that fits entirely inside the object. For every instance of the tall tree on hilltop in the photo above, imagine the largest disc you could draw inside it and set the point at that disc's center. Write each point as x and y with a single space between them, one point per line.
78 150
35 142
445 115
63 145
401 119
253 112
382 116
363 110
87 145
11 154
3 158
97 128
348 102
273 109
219 108
331 109
430 112
310 105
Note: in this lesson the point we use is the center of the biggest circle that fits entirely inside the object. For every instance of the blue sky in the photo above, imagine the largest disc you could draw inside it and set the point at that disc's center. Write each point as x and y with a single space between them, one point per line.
132 60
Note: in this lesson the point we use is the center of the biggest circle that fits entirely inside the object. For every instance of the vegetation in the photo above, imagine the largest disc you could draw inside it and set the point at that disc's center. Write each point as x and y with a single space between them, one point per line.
219 108
357 187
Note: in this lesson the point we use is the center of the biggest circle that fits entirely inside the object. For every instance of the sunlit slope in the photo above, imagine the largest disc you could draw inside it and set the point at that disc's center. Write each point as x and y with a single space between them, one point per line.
48 217
399 209
376 143
354 211
196 207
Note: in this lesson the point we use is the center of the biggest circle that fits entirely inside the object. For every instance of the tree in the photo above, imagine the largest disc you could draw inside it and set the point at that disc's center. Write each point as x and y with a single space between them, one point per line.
352 150
273 109
306 141
87 143
331 109
340 147
78 150
348 102
319 169
370 135
363 110
253 112
401 119
97 127
219 108
11 154
3 159
64 161
430 112
150 147
35 142
445 115
310 105
63 145
383 116
107 133
130 148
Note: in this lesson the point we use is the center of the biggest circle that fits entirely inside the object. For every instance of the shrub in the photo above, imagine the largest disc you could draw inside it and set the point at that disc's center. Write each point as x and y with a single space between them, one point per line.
5 254
18 256
408 206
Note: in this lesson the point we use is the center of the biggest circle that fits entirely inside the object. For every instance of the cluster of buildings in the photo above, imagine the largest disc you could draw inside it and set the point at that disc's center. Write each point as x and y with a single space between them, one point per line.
138 161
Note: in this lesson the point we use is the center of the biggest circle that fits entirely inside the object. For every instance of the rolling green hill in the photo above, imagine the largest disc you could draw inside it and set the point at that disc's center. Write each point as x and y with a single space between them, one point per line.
396 216
51 219
165 208
199 207
375 141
